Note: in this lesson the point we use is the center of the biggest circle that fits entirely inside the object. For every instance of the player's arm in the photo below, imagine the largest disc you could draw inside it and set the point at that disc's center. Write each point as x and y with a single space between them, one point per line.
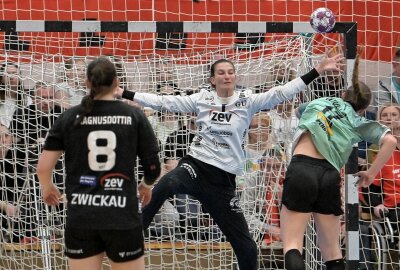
183 104
53 149
281 93
46 164
147 150
388 145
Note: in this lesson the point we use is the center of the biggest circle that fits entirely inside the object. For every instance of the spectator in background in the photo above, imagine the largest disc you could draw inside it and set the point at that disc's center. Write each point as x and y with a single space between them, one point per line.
7 212
13 97
121 71
252 188
168 88
389 87
164 71
72 89
178 142
29 127
12 92
283 119
31 123
282 72
164 123
388 180
371 198
7 208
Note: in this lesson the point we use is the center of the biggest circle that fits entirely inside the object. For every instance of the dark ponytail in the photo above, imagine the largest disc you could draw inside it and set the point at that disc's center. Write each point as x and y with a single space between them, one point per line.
358 95
101 73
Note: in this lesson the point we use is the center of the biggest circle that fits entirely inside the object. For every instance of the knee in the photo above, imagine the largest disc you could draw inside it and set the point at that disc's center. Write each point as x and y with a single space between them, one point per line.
294 260
335 265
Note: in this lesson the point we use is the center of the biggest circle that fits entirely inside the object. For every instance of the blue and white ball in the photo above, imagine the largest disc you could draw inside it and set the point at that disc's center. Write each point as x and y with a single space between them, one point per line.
322 20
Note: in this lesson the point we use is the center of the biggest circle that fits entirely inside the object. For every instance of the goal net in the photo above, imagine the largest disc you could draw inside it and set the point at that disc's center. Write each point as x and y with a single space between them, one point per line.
46 71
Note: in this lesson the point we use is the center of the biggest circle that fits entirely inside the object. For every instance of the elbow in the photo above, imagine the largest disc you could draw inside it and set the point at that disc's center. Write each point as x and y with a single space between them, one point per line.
152 172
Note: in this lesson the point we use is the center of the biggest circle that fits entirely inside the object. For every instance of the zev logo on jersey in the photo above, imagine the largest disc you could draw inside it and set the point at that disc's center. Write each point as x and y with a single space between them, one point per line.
113 181
221 116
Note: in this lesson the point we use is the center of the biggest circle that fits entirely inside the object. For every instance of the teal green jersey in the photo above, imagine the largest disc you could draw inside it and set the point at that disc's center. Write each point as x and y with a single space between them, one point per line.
335 127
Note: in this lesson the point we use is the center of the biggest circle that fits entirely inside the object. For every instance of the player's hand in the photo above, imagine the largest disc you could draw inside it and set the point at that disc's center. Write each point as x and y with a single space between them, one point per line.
51 195
364 178
334 63
144 194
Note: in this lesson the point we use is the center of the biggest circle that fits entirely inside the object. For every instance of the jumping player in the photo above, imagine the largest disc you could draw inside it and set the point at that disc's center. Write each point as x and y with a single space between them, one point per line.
327 131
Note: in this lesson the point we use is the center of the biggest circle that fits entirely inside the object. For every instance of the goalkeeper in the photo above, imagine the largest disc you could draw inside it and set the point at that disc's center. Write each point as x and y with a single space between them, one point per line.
216 154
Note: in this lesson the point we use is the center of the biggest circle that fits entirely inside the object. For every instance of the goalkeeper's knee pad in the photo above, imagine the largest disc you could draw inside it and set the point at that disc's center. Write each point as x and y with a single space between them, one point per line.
294 260
335 265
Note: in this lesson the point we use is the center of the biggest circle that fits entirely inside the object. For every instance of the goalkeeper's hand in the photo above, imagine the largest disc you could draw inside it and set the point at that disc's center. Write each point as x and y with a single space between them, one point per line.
334 63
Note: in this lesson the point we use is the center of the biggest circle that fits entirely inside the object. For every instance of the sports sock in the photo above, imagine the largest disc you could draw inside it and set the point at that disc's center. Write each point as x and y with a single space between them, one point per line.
294 260
337 264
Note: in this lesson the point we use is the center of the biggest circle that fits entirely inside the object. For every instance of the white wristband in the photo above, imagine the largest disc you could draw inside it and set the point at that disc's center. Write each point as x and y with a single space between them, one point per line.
147 186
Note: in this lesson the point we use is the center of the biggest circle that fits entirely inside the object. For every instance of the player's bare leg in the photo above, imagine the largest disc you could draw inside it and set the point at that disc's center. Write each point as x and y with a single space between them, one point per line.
91 263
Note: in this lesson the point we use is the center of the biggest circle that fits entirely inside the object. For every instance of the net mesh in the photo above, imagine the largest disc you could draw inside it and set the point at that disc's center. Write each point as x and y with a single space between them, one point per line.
32 237
183 235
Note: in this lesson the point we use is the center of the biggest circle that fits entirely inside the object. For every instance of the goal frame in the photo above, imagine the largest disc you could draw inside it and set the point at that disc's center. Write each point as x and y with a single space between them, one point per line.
347 29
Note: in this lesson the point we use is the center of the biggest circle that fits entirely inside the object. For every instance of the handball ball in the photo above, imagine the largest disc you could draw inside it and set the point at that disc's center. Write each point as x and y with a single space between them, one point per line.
322 20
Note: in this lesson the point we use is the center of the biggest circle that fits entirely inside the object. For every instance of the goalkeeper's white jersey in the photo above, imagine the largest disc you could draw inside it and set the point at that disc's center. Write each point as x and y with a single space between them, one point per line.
222 128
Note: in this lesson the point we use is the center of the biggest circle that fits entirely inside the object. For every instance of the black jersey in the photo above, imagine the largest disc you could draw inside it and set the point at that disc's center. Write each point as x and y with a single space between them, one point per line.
100 156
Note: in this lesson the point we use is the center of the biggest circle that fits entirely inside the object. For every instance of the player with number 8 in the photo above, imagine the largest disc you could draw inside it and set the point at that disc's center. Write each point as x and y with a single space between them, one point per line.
101 139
